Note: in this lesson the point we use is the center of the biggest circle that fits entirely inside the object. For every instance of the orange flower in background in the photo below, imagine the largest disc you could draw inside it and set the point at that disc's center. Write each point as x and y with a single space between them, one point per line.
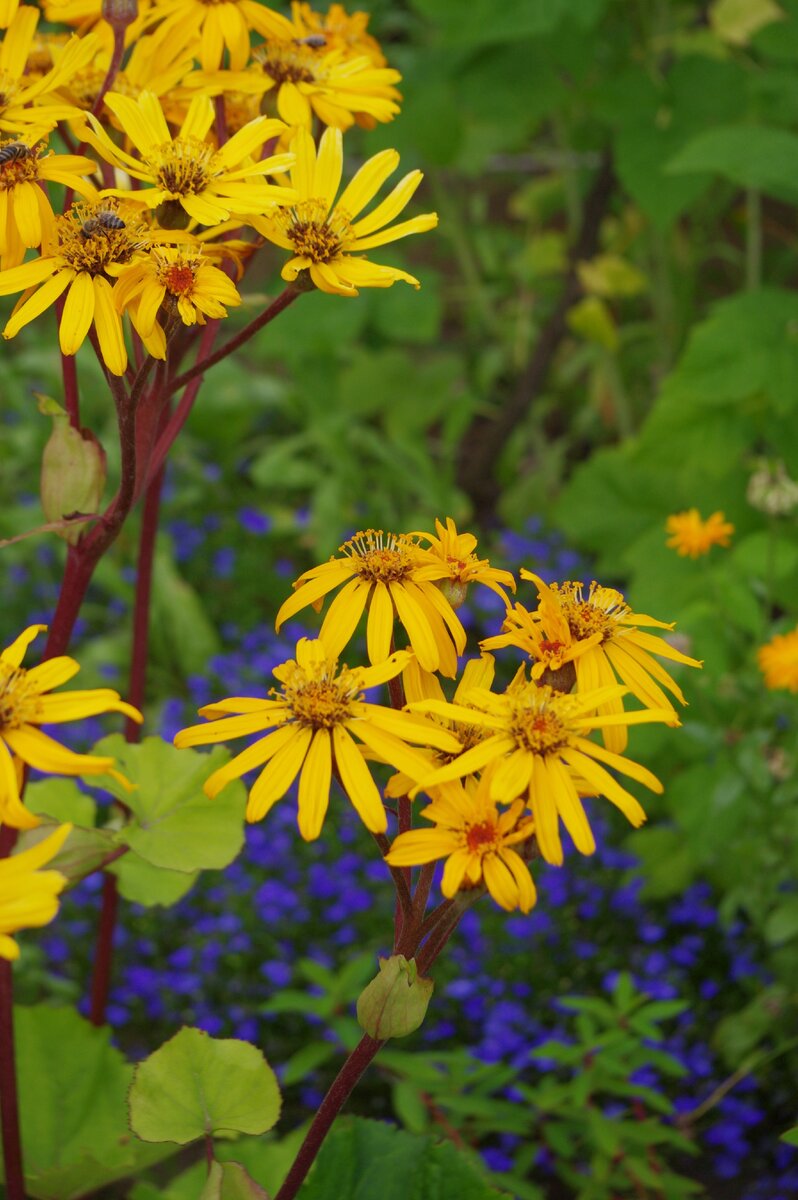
691 536
778 661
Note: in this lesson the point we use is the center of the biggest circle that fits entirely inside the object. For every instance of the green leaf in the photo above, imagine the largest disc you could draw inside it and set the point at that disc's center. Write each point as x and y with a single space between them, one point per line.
62 800
362 1159
142 883
195 1085
231 1181
736 21
72 1089
175 825
782 923
752 156
791 1136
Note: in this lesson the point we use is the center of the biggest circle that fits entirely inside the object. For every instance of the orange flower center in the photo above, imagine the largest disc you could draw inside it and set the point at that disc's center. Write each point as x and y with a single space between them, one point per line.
381 557
482 837
179 278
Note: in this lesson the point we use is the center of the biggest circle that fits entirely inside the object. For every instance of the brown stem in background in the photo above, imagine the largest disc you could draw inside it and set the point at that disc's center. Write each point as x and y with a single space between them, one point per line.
488 433
9 1102
104 952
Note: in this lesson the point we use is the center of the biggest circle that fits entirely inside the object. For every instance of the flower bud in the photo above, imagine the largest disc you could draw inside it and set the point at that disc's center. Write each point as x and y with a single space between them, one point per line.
120 13
454 590
73 472
395 1002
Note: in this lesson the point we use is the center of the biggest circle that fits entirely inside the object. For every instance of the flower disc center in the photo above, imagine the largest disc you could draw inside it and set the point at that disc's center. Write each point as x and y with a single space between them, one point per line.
19 700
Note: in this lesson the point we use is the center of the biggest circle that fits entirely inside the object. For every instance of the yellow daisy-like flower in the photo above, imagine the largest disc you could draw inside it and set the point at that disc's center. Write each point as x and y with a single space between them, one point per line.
691 536
178 277
28 895
477 842
457 551
313 718
551 645
324 235
778 661
209 184
340 29
25 210
218 26
538 741
91 242
311 79
154 65
622 650
24 101
382 574
24 706
423 685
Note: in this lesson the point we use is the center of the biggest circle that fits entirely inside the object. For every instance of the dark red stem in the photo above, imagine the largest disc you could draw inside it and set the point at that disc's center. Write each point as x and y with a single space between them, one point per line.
104 952
286 297
331 1105
9 1104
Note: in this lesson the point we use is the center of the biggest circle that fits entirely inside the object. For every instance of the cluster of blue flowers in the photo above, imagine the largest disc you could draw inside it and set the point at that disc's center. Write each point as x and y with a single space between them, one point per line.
218 957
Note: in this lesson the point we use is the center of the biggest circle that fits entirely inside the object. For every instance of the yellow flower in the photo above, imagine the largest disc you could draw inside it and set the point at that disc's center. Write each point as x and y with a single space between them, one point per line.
313 80
778 661
622 650
423 685
476 840
24 706
551 646
26 214
91 241
24 101
312 718
182 278
341 30
29 896
209 184
381 572
223 24
691 536
155 65
324 235
456 550
538 741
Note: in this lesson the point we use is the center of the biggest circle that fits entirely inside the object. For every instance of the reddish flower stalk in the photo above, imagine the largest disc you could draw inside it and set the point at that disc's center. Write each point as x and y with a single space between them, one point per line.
9 1105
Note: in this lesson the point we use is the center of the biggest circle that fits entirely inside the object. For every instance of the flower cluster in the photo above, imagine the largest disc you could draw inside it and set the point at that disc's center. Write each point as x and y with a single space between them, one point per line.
203 147
502 769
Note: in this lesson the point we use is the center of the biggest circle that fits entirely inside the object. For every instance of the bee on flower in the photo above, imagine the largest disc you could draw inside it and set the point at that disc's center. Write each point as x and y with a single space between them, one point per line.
24 165
89 243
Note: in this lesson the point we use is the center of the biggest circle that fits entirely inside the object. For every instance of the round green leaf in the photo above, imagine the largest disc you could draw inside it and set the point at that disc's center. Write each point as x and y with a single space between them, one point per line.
195 1085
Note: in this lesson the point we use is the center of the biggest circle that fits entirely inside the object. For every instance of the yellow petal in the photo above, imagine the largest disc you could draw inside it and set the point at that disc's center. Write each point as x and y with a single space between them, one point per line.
78 313
108 324
357 781
314 786
254 756
277 777
14 654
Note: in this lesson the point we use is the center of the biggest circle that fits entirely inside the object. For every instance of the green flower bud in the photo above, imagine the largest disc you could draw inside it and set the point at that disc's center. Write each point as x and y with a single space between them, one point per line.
395 1002
454 590
73 472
